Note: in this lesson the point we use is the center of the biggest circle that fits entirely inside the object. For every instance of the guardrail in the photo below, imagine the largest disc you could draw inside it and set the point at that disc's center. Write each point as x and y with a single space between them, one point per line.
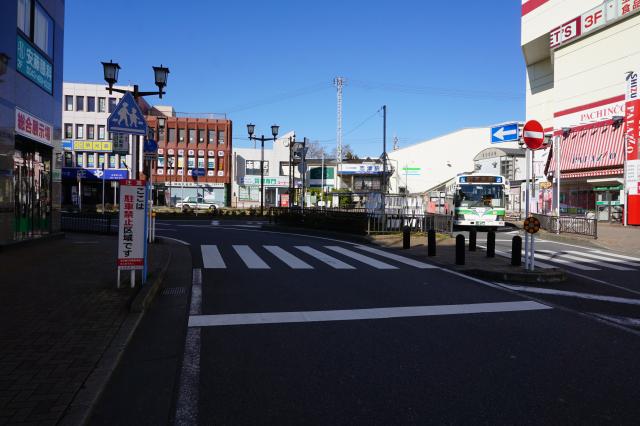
569 225
95 223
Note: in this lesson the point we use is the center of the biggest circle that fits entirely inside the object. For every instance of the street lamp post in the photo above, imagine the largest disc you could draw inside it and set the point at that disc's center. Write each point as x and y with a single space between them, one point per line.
274 131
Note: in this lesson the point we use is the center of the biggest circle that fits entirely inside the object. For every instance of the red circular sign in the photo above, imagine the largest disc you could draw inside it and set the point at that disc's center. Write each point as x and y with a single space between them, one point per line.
533 134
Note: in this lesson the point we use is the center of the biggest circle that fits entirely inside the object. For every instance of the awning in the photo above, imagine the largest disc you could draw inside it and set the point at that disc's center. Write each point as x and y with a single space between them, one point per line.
591 173
593 146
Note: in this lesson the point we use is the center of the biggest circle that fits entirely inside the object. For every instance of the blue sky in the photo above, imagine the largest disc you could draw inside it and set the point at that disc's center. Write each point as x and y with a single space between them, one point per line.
438 66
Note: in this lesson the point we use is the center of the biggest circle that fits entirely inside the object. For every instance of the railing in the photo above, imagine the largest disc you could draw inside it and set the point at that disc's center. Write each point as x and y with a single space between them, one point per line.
95 223
569 224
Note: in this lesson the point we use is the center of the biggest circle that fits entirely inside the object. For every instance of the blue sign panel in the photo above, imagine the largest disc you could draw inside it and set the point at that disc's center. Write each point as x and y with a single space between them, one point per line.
197 172
67 145
94 174
504 133
34 66
127 117
150 146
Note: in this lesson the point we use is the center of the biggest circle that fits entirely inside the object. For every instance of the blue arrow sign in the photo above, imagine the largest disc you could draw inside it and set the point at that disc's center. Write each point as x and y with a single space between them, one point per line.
504 133
150 146
197 172
127 117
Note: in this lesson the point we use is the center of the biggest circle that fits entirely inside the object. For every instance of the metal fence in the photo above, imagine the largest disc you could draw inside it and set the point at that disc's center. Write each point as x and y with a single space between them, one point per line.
90 222
569 224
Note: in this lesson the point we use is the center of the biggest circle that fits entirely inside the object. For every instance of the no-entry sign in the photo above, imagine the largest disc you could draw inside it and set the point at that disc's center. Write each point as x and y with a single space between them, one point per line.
533 134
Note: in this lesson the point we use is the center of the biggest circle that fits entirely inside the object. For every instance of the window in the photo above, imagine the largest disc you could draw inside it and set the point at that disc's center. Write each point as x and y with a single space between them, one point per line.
24 16
284 168
91 104
79 103
91 159
221 136
192 135
112 161
101 104
180 135
171 163
201 136
79 131
160 134
68 159
100 160
91 133
123 161
252 168
212 136
68 131
100 132
191 162
112 104
211 163
172 135
79 159
160 161
180 161
201 162
68 103
43 30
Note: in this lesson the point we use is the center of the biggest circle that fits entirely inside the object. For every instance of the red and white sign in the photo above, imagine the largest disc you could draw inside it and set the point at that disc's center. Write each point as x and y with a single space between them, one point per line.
604 109
131 238
533 134
595 18
565 32
33 128
632 116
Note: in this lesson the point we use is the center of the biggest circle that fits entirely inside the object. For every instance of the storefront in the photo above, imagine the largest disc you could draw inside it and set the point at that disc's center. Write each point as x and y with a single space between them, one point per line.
276 192
169 193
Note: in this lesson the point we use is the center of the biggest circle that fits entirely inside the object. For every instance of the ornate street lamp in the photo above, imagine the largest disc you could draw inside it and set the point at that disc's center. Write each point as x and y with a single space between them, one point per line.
274 131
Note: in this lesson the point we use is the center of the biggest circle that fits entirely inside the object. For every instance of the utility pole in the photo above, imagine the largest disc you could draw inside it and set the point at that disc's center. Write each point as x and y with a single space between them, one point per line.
339 82
384 156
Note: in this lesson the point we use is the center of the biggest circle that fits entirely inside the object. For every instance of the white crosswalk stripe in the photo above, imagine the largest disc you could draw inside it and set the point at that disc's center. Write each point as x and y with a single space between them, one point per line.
292 261
361 258
323 257
550 258
588 260
211 257
397 258
619 256
603 257
250 258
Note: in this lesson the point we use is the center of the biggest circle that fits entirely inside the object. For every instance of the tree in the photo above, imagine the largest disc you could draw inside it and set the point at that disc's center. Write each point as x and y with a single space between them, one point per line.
347 153
315 150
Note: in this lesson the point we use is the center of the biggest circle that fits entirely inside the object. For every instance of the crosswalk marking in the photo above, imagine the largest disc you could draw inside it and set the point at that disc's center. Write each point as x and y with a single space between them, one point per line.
620 256
401 259
329 260
250 258
603 257
564 262
211 257
359 257
588 260
292 261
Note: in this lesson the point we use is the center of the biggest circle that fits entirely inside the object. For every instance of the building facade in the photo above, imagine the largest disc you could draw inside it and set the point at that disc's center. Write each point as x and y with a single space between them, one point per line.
31 56
578 55
188 142
89 160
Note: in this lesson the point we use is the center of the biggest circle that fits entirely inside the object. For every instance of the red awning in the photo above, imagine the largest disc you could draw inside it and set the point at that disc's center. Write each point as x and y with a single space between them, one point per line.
594 146
592 173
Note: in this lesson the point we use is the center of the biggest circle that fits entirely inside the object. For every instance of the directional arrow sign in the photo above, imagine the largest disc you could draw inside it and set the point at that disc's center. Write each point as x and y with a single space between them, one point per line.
504 133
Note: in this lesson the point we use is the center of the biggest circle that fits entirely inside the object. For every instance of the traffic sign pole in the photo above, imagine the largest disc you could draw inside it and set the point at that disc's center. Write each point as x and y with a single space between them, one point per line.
526 207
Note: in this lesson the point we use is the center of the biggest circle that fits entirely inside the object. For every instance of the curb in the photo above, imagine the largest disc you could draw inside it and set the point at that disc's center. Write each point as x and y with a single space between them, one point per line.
80 409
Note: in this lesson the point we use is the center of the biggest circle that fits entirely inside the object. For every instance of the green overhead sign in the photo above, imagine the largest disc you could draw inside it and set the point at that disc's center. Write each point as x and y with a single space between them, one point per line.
34 66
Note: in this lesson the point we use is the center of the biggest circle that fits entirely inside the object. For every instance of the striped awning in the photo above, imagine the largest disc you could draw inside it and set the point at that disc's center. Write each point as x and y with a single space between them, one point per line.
597 146
592 173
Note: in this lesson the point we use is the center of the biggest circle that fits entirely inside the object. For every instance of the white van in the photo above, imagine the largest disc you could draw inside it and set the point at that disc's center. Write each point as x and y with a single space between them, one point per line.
196 203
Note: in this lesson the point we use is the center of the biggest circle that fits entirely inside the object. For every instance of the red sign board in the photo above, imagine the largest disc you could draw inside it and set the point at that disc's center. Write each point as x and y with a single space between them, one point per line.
533 134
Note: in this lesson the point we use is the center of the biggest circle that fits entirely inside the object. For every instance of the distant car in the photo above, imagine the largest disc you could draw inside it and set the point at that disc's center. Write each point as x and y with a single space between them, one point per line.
196 203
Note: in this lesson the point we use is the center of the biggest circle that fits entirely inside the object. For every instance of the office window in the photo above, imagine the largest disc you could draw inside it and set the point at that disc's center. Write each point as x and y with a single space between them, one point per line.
68 159
68 103
68 131
201 162
100 132
79 131
112 161
284 168
79 159
192 135
161 134
91 159
24 16
180 161
171 164
91 104
211 163
212 136
180 135
220 136
79 103
172 134
160 162
221 166
191 162
102 104
123 161
100 160
252 168
200 136
43 30
112 104
91 132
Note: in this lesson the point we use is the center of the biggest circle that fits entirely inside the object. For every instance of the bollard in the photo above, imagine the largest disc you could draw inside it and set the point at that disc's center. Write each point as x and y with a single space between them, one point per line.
516 251
406 237
431 242
491 244
460 249
472 239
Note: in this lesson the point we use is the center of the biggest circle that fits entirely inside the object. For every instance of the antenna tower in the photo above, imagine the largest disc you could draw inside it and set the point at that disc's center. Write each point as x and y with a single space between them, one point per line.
339 82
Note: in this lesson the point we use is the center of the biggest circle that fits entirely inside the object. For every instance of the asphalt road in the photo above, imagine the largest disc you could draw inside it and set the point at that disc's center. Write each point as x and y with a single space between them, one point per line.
295 329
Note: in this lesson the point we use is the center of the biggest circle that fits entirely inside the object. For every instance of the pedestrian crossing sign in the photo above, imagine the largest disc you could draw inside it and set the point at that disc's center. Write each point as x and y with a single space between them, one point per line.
127 117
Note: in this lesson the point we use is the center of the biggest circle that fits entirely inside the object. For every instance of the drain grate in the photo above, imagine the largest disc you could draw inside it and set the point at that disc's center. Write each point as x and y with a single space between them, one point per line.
173 291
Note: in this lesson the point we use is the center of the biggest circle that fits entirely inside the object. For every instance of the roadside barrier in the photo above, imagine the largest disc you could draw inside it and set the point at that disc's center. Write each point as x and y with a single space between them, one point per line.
491 244
472 239
516 251
460 249
406 237
431 242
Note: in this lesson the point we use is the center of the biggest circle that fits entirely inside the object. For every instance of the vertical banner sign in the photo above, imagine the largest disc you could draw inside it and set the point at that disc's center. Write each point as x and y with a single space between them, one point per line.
632 134
131 230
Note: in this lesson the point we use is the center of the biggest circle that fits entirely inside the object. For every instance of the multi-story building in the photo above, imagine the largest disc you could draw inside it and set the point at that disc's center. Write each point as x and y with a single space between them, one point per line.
188 142
90 162
31 46
578 55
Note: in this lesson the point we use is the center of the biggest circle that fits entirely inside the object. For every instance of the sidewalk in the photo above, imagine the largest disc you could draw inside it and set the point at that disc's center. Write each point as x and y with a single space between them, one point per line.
59 312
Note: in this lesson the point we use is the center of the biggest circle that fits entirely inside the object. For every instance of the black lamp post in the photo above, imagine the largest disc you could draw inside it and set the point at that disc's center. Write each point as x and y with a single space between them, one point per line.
111 70
274 131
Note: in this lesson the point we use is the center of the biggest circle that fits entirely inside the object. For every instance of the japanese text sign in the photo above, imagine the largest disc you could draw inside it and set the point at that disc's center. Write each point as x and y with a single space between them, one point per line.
33 128
131 229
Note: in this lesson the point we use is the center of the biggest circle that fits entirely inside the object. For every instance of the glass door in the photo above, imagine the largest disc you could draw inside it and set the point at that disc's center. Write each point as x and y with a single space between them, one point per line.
602 205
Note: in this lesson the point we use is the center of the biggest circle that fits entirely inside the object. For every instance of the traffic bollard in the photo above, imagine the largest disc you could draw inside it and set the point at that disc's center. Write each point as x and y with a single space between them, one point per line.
460 249
472 239
491 244
406 237
431 242
516 251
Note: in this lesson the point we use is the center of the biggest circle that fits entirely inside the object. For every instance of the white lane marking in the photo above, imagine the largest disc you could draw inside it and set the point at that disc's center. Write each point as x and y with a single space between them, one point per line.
588 260
211 257
626 321
361 314
250 258
188 391
620 256
292 261
175 239
397 258
564 262
248 226
215 222
359 257
500 253
586 277
589 296
602 257
329 260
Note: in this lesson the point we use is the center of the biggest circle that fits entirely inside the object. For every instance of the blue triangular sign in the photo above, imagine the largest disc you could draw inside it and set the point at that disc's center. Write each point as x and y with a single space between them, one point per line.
127 117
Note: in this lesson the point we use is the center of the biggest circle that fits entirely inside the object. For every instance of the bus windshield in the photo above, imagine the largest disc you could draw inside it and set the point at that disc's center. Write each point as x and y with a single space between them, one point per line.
479 196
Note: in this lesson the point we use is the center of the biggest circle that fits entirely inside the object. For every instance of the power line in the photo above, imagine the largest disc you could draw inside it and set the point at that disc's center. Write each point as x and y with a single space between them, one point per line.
435 91
280 97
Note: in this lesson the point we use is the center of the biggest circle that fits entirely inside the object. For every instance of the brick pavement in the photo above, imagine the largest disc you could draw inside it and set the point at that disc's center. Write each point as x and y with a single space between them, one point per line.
59 310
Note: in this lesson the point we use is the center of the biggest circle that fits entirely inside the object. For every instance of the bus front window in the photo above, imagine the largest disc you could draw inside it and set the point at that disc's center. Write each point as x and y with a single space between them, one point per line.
479 196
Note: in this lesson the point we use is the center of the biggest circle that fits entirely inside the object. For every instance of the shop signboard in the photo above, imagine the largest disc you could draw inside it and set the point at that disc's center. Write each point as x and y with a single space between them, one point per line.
34 66
632 135
131 229
255 180
360 169
94 174
93 146
32 127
